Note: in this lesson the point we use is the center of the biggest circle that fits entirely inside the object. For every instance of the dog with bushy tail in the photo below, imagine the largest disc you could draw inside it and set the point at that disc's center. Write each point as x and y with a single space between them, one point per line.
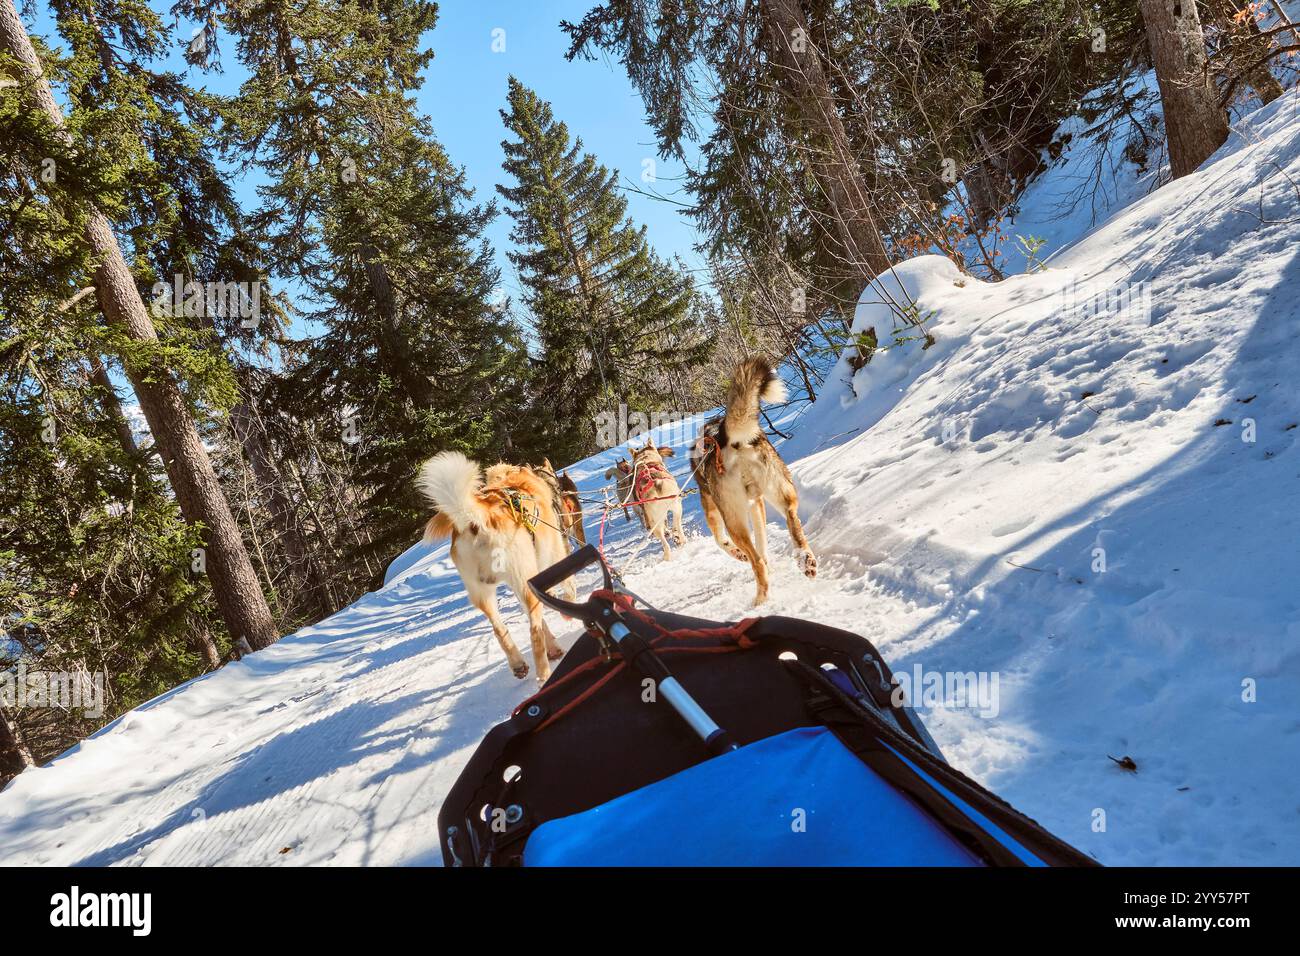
739 472
505 528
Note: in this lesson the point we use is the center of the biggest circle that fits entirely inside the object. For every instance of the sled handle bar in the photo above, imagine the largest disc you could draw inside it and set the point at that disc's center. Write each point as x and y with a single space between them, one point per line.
543 581
601 615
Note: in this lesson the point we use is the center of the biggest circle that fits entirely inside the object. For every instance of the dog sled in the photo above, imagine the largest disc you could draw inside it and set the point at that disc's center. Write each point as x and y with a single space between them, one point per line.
662 740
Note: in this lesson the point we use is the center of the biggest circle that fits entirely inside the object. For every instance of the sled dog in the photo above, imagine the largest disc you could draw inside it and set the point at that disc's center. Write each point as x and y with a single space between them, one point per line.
738 472
621 472
659 493
504 527
570 505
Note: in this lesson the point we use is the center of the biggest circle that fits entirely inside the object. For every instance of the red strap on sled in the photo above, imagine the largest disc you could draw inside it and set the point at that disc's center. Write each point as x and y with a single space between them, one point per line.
733 632
733 637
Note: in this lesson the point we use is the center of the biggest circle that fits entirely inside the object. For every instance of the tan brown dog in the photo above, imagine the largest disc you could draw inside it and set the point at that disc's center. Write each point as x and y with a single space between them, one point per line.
621 472
570 505
738 471
657 489
504 527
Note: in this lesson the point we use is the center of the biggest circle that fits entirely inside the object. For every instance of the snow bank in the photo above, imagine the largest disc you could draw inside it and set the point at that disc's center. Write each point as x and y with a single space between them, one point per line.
1090 487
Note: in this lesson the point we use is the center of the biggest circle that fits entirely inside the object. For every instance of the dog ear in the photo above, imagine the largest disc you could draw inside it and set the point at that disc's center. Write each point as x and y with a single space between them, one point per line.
624 467
666 452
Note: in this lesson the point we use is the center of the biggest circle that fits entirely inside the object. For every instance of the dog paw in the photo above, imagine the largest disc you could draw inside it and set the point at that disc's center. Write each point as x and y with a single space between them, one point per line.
760 599
808 562
554 653
520 670
736 553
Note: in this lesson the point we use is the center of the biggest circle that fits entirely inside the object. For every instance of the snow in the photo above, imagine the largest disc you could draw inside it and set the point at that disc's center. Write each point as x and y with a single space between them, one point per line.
1089 181
963 500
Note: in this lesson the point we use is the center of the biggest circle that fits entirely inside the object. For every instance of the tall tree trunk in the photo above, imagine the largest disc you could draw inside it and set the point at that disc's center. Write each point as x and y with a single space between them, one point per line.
193 480
12 746
836 170
200 640
1194 122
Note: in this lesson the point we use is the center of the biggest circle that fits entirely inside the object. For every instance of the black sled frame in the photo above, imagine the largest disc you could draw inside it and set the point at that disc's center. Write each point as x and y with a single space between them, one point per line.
587 737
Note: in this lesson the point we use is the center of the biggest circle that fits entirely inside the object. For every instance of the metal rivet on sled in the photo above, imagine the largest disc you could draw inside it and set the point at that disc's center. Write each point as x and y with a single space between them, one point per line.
534 711
514 813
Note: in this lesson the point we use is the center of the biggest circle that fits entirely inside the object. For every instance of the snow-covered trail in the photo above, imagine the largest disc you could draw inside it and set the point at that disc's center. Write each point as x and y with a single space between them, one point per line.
337 744
1097 506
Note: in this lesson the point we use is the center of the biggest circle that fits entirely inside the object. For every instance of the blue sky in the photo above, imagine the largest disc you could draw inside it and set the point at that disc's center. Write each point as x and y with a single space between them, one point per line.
465 89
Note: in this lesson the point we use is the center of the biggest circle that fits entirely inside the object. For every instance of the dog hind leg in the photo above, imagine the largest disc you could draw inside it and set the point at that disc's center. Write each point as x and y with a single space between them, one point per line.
713 517
760 526
545 649
737 524
675 508
658 532
790 505
484 597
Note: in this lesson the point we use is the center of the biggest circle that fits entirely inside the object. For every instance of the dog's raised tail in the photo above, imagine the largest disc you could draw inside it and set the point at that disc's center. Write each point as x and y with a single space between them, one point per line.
450 481
753 381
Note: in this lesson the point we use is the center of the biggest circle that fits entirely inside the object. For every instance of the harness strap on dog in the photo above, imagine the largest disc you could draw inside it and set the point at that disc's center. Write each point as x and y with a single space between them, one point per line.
710 446
528 516
648 475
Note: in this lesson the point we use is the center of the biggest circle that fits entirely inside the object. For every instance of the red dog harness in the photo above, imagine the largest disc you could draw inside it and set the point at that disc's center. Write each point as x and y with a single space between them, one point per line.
647 476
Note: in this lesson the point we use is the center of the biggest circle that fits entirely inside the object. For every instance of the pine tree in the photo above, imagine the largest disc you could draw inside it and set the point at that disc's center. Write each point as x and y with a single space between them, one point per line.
767 61
832 136
366 214
102 182
96 565
408 217
611 316
97 562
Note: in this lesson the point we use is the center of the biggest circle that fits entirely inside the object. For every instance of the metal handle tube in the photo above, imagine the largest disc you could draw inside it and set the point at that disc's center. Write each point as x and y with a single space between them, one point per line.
646 661
685 705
